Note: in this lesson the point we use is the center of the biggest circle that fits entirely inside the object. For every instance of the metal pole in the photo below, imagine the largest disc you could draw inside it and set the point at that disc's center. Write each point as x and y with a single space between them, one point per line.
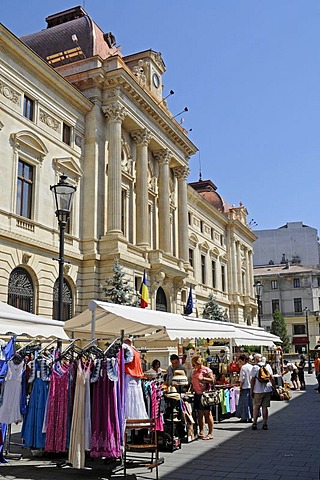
259 310
62 226
308 340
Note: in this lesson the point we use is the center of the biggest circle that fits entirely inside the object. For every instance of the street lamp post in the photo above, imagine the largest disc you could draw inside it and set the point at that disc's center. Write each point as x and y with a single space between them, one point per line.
63 196
308 339
258 289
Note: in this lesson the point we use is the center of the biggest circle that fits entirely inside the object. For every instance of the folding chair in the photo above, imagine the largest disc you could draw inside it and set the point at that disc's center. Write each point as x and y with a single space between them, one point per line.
150 442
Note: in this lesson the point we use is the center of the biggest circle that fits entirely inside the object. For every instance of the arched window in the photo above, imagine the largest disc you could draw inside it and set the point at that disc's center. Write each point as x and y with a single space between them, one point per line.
161 300
67 301
20 290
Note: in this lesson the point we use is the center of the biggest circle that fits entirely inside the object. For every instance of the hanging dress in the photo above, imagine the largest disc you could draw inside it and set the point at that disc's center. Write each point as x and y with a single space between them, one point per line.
57 410
105 440
10 408
134 401
32 425
77 438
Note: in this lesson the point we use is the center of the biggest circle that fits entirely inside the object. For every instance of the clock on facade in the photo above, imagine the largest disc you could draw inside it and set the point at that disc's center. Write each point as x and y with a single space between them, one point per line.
156 80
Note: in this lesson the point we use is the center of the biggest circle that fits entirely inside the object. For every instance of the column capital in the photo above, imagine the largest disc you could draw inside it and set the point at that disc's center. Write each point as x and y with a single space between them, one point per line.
115 112
163 156
181 172
141 136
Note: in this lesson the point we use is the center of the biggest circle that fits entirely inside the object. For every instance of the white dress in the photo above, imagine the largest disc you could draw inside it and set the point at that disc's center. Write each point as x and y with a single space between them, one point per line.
10 407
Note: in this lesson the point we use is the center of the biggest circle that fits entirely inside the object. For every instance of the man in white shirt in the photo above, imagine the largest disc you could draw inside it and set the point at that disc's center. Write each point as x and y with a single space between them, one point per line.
261 391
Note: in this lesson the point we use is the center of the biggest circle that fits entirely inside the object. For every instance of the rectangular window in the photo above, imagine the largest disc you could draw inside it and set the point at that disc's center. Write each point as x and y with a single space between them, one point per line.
221 240
275 305
299 329
213 273
318 279
201 226
223 278
189 218
66 134
297 305
24 189
28 108
137 283
203 268
212 233
296 282
191 257
274 284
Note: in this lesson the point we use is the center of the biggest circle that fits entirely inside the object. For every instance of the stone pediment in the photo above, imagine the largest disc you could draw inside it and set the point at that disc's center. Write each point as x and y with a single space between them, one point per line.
30 143
68 166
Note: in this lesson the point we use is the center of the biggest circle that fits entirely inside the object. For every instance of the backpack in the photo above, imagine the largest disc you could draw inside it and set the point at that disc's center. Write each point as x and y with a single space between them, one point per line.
264 375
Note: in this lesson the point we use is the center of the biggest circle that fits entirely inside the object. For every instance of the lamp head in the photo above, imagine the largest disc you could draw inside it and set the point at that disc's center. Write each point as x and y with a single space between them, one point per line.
63 197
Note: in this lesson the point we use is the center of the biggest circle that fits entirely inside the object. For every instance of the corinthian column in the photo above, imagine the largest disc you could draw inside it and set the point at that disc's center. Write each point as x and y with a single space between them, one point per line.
115 114
163 158
181 174
142 139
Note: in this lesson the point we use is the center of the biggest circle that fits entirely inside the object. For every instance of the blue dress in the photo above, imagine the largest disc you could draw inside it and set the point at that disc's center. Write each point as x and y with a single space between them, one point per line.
32 426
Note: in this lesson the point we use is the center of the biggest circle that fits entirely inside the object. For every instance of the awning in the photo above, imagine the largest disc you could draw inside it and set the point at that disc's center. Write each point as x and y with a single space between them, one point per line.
108 319
14 321
103 319
299 340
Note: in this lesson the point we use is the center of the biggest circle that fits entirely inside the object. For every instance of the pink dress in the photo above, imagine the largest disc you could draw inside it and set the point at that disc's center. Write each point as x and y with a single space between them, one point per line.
57 412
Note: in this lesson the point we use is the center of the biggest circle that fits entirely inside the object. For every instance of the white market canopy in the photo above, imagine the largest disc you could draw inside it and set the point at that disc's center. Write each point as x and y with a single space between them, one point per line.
14 321
103 319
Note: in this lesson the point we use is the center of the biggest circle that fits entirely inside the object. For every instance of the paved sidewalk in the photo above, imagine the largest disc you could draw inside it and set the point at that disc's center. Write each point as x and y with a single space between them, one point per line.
289 450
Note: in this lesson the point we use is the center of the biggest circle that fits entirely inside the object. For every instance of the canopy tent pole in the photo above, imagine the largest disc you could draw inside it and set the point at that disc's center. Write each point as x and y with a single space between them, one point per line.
92 308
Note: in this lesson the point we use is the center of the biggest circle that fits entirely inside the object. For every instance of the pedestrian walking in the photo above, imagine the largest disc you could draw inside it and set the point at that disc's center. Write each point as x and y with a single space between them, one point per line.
317 370
301 367
262 385
245 407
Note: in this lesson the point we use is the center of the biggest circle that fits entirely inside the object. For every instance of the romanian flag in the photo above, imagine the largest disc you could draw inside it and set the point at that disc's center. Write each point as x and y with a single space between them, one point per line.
144 292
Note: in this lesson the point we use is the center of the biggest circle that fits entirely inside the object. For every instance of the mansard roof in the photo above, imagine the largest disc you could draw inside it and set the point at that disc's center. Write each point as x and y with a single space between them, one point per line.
70 36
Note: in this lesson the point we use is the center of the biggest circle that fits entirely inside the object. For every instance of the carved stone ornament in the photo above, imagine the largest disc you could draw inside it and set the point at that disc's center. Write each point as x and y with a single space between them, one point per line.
50 121
141 137
115 112
26 257
66 268
1 125
157 280
10 93
181 172
162 156
139 71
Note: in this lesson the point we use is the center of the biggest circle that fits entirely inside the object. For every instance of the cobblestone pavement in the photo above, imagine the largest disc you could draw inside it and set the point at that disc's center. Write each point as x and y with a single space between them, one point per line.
288 450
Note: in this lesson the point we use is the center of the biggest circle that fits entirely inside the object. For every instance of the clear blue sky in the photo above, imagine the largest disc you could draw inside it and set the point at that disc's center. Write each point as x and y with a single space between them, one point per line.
249 73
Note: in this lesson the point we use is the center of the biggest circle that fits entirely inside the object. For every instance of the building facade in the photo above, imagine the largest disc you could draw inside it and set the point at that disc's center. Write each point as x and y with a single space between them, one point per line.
71 103
293 242
293 290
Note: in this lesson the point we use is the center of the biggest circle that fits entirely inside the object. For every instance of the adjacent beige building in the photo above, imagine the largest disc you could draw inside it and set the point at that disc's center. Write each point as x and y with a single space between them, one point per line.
71 103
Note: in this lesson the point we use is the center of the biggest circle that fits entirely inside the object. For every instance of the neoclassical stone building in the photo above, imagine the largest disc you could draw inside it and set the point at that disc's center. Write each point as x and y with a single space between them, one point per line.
71 103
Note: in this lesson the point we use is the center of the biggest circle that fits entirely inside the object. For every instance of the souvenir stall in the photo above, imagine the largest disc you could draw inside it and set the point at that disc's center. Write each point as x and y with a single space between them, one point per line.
17 327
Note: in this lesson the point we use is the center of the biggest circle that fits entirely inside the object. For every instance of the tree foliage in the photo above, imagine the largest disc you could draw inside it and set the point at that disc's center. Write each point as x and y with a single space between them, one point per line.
279 328
117 289
212 311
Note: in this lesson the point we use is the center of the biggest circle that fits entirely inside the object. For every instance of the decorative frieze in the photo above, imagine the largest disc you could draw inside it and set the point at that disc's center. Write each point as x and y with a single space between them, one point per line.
49 120
10 93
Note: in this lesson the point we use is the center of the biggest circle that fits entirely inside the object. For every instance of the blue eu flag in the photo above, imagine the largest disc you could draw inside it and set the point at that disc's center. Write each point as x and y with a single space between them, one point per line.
189 306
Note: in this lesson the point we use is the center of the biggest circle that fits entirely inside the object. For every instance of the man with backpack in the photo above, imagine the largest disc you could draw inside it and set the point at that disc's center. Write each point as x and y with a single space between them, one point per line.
262 385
